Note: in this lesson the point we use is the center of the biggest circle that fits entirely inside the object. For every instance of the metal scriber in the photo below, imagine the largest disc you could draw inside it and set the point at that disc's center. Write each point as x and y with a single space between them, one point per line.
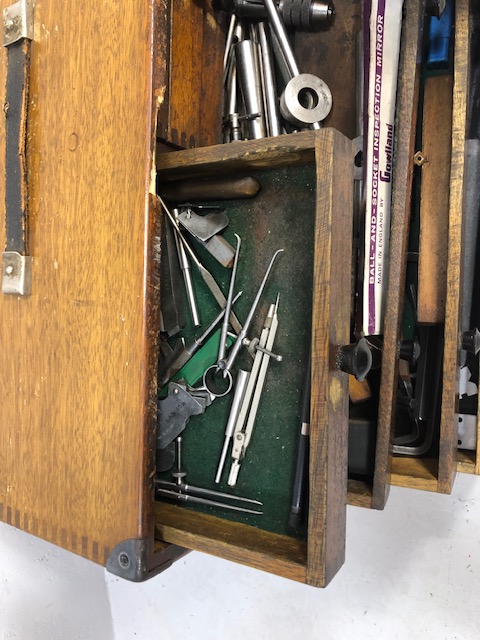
222 348
239 394
182 491
243 332
181 359
186 497
188 488
243 434
206 275
187 276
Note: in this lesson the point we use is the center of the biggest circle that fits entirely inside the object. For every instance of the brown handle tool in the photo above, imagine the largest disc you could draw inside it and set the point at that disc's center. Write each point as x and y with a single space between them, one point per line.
218 189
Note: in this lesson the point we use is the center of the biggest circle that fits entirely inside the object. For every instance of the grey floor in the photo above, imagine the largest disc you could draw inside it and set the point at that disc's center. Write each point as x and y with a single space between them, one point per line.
412 572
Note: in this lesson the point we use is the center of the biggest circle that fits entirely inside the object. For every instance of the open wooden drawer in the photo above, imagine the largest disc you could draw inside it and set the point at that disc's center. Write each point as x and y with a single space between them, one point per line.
436 472
303 207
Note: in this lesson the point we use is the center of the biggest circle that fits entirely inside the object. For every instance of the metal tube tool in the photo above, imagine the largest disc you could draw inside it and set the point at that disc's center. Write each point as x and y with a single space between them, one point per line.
243 432
243 333
206 275
238 396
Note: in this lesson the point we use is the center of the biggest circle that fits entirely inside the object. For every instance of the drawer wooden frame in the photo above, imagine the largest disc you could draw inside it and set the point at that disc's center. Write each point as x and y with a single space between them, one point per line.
316 561
428 473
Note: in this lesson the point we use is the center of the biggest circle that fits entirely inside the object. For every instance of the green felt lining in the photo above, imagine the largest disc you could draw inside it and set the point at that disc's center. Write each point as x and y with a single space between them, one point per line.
282 216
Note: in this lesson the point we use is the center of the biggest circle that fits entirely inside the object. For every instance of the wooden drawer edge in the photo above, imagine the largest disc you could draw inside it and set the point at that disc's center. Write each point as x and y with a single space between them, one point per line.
239 543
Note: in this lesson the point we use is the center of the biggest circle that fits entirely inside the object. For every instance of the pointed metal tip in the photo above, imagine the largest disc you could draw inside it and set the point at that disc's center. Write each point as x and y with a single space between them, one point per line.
277 301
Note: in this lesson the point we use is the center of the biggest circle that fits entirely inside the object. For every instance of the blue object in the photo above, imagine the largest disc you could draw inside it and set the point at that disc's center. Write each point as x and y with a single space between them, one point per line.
439 38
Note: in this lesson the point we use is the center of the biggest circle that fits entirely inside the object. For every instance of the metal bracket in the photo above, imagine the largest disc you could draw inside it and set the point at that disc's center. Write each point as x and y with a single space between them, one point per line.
129 560
16 273
18 22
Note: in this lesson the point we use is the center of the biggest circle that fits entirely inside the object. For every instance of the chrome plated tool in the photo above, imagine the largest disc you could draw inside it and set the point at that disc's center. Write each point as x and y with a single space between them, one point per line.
306 99
205 274
182 356
253 346
252 381
243 333
222 348
239 394
206 231
306 15
187 275
272 117
180 490
188 488
243 435
187 497
250 82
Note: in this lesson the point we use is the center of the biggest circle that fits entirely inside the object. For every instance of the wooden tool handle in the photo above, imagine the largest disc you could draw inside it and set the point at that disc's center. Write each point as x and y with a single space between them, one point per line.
219 189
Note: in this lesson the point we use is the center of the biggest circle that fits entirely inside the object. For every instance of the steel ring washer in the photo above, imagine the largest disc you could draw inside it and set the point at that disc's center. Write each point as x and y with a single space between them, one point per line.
294 111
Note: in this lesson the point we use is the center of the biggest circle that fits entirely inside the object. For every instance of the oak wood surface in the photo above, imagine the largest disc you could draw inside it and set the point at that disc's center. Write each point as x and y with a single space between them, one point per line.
76 380
330 328
466 462
194 39
448 423
324 552
359 493
436 146
240 543
406 122
294 149
415 473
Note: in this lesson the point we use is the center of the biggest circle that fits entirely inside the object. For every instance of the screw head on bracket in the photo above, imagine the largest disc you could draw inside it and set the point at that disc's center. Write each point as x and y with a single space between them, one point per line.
124 560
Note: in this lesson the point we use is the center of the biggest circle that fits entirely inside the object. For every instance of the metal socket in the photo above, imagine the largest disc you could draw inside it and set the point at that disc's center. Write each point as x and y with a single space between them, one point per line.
307 99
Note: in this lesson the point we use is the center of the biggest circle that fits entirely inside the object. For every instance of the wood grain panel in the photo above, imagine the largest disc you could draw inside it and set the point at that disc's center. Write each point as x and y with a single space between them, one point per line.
185 72
448 423
436 146
244 155
466 461
76 380
359 493
415 473
330 328
240 543
195 91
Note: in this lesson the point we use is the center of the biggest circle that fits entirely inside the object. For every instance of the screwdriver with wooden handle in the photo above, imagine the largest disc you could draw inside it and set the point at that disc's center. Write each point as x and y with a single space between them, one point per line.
204 190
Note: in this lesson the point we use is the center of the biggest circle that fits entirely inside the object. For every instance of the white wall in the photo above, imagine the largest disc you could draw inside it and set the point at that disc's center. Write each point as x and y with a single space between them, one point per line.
412 572
47 593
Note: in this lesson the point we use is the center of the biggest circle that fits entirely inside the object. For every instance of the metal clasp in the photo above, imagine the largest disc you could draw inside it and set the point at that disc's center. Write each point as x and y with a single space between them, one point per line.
16 273
18 22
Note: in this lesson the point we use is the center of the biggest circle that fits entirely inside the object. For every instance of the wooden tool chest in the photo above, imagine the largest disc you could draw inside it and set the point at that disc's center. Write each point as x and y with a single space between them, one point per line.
119 100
